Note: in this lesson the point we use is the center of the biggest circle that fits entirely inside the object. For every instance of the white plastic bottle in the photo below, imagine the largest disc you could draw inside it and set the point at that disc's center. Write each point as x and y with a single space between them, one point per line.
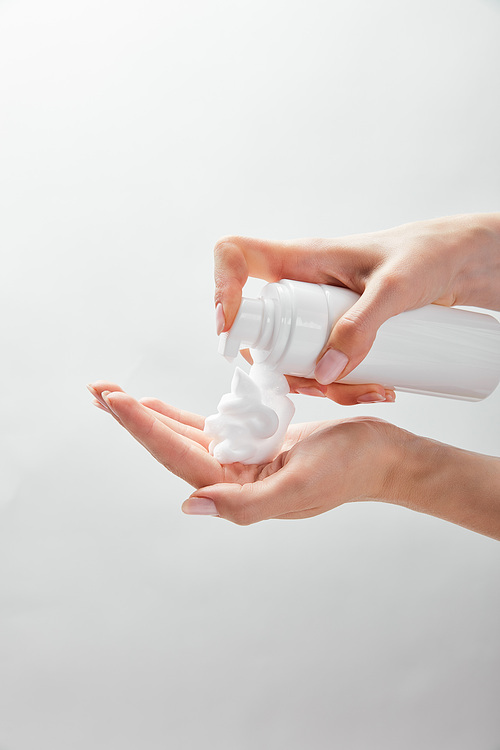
433 350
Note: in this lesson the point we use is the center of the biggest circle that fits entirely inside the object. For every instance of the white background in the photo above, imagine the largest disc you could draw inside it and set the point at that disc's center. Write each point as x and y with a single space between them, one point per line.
134 134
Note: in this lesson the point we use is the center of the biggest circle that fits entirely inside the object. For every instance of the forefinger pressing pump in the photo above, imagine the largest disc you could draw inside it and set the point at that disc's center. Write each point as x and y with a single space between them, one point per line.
433 350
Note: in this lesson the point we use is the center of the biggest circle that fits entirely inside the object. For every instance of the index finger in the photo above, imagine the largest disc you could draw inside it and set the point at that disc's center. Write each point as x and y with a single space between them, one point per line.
237 258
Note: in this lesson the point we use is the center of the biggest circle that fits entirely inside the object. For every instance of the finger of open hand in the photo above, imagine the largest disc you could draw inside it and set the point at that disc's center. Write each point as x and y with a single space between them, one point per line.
100 391
101 406
185 417
184 457
179 424
99 386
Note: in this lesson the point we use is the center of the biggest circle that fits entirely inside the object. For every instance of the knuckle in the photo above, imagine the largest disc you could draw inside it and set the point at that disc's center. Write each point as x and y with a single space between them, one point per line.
353 326
242 509
226 247
394 282
230 269
241 516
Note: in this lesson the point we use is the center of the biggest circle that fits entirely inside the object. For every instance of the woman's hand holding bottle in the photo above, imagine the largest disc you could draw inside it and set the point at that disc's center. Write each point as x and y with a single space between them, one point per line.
449 261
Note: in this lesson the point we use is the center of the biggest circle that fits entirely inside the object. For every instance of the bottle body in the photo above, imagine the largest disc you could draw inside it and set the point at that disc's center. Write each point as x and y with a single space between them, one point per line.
432 350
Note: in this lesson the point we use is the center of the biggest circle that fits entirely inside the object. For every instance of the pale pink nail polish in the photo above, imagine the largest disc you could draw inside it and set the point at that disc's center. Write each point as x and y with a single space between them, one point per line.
104 396
100 406
311 391
220 320
331 364
199 506
370 398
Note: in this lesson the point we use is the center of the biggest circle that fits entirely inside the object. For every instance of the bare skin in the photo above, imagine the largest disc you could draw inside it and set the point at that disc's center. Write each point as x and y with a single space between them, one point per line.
449 261
455 260
322 465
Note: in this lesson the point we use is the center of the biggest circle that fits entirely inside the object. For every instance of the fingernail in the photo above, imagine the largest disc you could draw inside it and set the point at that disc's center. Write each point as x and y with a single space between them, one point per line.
99 399
370 398
220 320
390 396
199 506
311 391
104 396
331 364
100 406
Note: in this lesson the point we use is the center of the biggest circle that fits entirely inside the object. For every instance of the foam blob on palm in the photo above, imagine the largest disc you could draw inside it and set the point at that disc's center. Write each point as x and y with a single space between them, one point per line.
252 420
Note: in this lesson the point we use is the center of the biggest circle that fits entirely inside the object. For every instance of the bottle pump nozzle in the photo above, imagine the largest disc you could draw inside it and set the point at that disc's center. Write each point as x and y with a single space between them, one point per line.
246 329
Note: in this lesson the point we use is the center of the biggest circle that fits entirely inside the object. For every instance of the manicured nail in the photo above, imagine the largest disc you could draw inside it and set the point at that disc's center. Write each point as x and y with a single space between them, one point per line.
370 398
311 391
331 364
97 403
104 396
98 398
199 506
220 320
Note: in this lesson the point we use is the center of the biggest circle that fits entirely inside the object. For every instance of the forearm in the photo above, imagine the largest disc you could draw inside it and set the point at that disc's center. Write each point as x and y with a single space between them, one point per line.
479 276
447 482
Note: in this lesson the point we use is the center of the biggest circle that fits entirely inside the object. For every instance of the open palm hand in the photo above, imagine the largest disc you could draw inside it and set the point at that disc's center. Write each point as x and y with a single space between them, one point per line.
306 478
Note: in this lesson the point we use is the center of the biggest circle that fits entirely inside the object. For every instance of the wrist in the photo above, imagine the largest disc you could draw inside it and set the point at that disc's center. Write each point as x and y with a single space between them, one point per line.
418 474
478 282
447 482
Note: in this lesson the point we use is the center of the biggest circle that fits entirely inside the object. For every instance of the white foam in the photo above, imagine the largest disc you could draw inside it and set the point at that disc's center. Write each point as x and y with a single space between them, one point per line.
252 420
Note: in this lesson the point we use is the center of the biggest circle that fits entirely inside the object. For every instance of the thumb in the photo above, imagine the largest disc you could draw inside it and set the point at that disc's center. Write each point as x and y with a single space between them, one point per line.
245 504
353 335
